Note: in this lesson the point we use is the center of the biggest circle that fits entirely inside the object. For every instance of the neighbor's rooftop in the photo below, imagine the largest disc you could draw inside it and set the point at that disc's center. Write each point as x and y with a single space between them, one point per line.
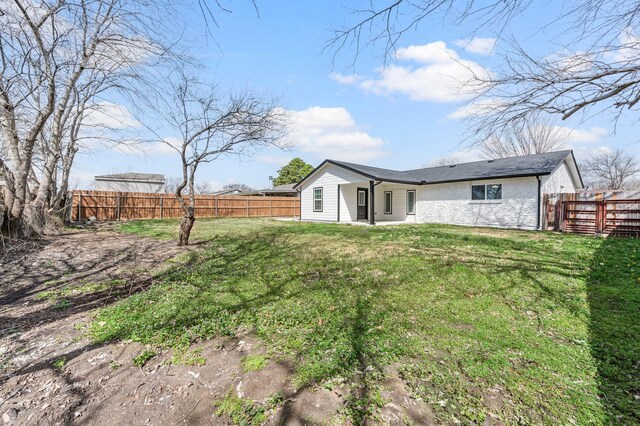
133 177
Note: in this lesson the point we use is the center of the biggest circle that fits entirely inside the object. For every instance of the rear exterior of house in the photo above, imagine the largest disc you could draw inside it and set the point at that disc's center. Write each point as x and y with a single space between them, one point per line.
502 193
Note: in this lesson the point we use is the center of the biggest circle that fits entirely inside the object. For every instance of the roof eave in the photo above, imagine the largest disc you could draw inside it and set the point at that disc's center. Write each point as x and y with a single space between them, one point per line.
493 177
359 172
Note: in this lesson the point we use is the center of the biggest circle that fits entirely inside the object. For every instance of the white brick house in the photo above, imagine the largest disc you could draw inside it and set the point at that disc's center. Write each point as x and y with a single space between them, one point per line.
505 192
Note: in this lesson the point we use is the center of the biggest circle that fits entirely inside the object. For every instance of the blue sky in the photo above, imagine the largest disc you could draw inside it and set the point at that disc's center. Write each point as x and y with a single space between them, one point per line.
399 117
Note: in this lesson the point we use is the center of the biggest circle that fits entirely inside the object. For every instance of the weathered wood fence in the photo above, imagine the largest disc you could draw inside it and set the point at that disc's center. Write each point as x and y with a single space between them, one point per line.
606 213
107 205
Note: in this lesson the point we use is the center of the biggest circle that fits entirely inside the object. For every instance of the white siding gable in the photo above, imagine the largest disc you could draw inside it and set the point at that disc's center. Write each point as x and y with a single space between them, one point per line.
328 178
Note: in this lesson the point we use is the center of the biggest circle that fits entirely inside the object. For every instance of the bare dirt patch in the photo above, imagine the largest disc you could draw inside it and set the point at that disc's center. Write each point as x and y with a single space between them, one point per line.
51 373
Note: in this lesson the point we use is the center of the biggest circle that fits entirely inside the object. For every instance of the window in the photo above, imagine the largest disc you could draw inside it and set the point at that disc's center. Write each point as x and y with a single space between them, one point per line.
387 202
411 202
362 198
477 192
494 192
486 192
317 199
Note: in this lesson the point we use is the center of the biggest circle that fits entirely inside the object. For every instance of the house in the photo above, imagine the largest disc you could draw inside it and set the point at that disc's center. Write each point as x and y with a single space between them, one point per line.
503 193
286 190
230 191
130 182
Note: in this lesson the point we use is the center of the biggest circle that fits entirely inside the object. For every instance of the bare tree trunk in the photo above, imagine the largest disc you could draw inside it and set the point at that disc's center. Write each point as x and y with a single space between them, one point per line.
185 227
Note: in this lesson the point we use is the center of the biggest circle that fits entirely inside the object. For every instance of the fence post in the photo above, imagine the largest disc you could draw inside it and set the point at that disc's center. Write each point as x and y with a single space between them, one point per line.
118 206
563 212
78 219
161 206
271 208
215 207
247 206
601 209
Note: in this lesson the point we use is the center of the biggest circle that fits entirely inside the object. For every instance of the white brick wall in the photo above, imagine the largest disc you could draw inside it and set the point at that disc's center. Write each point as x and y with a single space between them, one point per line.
451 203
558 181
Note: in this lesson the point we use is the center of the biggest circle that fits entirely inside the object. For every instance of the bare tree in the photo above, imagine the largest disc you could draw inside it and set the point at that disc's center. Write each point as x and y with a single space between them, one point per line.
442 161
56 57
203 188
171 184
210 127
598 68
525 137
58 60
611 169
242 187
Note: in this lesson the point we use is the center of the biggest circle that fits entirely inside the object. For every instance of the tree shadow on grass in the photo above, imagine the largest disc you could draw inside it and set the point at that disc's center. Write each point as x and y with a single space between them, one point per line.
613 293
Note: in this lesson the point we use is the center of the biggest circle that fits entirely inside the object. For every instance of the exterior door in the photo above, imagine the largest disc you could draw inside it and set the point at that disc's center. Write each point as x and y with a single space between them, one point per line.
363 203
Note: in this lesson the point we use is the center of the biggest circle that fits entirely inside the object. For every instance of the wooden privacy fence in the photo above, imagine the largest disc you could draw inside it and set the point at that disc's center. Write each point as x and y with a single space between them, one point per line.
606 213
107 205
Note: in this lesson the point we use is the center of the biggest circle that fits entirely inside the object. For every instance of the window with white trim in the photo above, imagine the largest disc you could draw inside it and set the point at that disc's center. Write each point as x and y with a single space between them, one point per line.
411 202
388 201
486 192
317 199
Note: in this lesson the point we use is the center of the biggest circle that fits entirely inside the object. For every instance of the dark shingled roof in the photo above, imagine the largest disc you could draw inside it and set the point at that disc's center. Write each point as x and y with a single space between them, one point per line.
526 165
146 177
377 172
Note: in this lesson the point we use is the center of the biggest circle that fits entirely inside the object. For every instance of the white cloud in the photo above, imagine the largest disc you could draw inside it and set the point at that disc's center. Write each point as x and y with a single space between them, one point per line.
333 133
110 115
345 79
475 108
439 76
628 48
572 136
436 52
583 153
477 45
273 159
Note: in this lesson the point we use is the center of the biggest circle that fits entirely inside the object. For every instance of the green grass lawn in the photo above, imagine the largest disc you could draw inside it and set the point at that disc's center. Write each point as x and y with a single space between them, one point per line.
550 323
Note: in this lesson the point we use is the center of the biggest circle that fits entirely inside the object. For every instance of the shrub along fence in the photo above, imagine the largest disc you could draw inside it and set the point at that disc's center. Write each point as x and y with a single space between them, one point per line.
605 212
108 205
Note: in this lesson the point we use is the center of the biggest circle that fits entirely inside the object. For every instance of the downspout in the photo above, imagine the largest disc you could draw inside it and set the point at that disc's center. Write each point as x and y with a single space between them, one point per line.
539 202
372 208
300 197
338 206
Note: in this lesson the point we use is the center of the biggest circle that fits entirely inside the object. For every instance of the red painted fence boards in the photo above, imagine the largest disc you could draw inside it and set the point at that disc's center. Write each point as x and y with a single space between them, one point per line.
602 213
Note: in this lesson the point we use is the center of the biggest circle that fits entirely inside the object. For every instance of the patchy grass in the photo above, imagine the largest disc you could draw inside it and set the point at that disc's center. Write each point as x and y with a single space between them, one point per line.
243 411
58 296
59 363
187 357
253 363
143 357
521 326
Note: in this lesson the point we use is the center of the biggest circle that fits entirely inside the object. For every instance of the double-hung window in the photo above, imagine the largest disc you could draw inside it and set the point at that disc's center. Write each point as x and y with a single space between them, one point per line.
388 200
317 199
411 202
486 192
